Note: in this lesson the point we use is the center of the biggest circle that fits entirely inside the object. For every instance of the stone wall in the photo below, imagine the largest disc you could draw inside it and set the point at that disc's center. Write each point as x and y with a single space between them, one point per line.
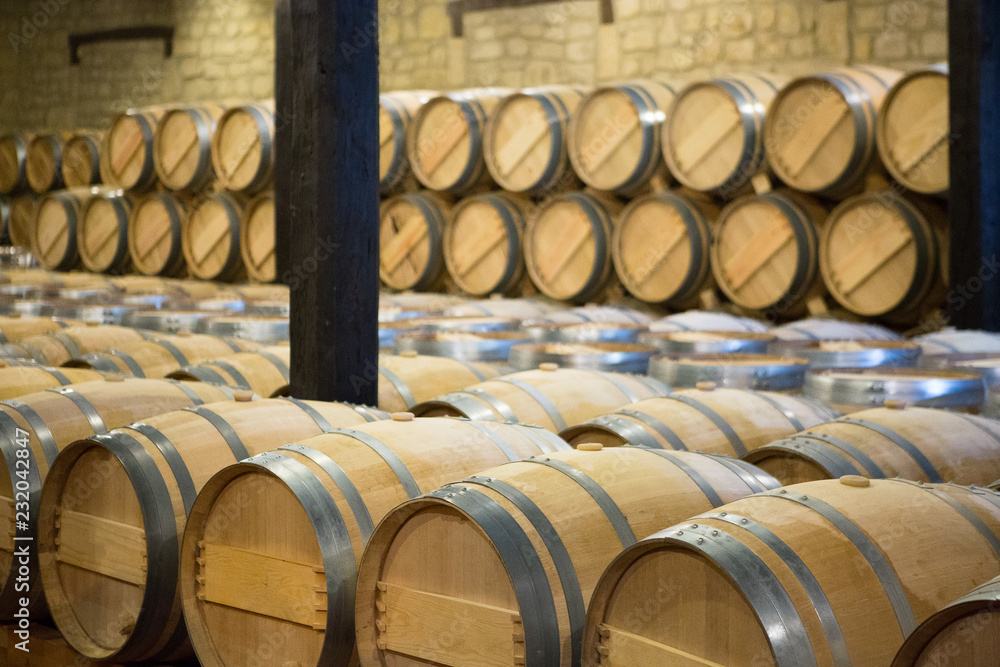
223 49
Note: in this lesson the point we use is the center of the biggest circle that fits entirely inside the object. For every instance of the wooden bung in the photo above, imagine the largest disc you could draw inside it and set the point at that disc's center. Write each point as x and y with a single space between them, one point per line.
464 555
122 538
840 576
243 147
51 420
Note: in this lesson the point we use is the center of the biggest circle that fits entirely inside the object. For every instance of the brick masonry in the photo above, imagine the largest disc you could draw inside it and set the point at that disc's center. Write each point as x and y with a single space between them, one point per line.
223 49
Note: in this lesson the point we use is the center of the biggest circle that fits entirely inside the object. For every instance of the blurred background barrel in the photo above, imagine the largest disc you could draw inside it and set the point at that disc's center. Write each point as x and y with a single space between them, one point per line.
54 229
243 147
13 154
257 238
211 238
396 111
44 162
411 256
127 151
182 146
102 232
154 235
81 163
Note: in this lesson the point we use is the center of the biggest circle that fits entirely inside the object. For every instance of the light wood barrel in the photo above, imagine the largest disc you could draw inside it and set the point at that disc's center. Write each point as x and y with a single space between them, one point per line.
151 474
765 256
154 235
413 304
482 243
102 232
22 211
263 371
839 576
520 548
920 444
818 328
411 228
820 131
964 341
914 131
57 347
966 632
550 397
211 238
257 238
661 248
13 155
15 327
707 342
445 140
477 346
714 421
567 246
713 136
420 455
525 142
851 390
616 357
182 146
50 420
865 353
614 136
738 371
408 379
127 151
160 357
703 320
44 162
395 111
243 147
54 229
16 381
81 160
880 254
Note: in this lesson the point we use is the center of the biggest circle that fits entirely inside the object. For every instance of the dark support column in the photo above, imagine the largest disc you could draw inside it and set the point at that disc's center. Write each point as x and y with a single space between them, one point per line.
974 205
328 194
283 104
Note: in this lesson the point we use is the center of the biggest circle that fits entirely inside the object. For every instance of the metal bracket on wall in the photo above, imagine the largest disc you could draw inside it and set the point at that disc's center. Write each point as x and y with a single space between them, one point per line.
458 8
166 33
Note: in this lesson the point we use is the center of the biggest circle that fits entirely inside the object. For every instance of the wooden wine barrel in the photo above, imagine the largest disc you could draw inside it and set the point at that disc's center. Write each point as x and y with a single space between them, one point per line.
154 235
127 150
920 444
411 255
257 238
54 229
818 328
102 232
263 371
567 246
865 353
420 454
211 238
913 131
243 147
966 632
91 314
615 135
444 142
521 309
22 210
714 421
661 248
182 146
477 346
16 381
765 255
482 243
14 327
160 357
395 111
851 390
135 502
525 141
408 379
13 155
550 397
879 256
43 162
820 129
702 320
951 341
615 357
839 576
707 342
520 548
736 371
57 347
43 424
713 135
584 332
81 160
413 304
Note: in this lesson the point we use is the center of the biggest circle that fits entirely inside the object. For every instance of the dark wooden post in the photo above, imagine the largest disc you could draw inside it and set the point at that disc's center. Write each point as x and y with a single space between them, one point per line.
974 204
327 193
